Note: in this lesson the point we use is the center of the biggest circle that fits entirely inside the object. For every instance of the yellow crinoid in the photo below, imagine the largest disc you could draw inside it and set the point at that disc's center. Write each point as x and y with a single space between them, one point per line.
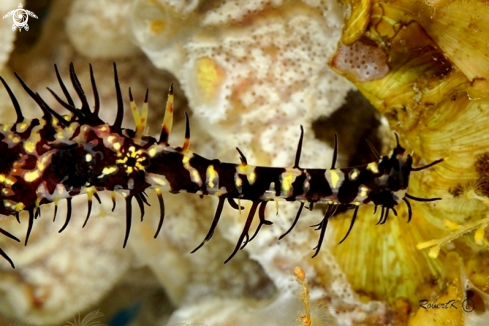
425 66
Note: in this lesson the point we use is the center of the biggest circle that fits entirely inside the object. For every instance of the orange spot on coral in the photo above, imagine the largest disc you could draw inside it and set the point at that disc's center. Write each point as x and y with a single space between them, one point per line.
209 77
157 26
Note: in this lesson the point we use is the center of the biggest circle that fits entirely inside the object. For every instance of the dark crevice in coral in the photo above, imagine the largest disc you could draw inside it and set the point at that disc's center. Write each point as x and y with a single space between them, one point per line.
355 122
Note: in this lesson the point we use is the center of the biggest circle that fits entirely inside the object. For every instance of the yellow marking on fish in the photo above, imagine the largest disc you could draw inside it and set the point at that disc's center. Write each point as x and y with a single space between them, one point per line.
8 192
144 114
363 191
158 191
42 163
243 168
21 127
132 153
247 170
335 178
135 113
31 175
14 138
13 205
138 165
252 177
90 192
160 180
88 157
287 179
238 181
373 167
354 174
221 192
108 170
9 181
194 174
168 117
140 119
9 203
212 177
61 189
113 140
123 192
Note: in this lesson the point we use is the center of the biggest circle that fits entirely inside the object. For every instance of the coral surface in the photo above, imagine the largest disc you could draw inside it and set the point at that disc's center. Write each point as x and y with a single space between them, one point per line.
435 96
7 35
253 72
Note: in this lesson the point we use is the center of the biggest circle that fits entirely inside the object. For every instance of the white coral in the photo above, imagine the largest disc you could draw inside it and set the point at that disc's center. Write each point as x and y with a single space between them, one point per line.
261 64
98 29
59 283
7 36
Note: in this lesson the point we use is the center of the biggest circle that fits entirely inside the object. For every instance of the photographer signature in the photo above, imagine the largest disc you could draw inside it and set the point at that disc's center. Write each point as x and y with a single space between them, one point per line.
467 304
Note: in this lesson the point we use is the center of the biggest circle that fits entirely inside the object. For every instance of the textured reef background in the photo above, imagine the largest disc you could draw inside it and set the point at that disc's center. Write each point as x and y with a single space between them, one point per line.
249 73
